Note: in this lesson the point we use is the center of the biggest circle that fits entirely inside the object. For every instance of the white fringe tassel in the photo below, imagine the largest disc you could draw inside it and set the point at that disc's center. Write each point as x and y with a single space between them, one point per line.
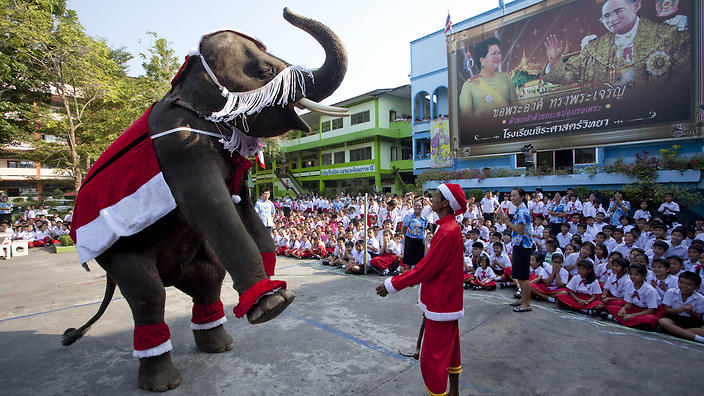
283 86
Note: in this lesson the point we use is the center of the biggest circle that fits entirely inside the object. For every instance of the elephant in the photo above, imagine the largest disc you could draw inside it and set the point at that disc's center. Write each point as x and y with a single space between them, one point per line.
194 233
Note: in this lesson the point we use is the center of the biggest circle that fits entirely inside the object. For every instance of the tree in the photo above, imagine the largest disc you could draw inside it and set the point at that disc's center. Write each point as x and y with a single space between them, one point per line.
47 52
75 68
160 66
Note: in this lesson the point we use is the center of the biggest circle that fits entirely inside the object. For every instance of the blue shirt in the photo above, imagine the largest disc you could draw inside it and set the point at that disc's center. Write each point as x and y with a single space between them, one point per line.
618 212
557 208
6 208
522 216
265 210
415 226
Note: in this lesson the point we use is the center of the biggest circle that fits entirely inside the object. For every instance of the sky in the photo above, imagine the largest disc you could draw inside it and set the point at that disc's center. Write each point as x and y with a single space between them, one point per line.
376 33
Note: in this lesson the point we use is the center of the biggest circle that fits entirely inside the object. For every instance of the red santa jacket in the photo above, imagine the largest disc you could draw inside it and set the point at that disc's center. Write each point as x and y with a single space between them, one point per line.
439 274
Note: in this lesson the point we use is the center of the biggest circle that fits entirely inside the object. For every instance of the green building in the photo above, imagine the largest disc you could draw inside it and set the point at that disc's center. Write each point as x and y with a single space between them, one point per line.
370 150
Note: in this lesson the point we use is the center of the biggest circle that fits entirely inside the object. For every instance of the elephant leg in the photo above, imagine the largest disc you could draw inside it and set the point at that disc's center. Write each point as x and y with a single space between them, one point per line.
204 201
202 280
259 233
140 284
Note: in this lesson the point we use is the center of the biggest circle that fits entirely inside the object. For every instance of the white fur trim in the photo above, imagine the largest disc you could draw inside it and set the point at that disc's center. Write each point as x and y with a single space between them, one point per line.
236 198
389 286
130 215
209 325
438 316
156 351
448 196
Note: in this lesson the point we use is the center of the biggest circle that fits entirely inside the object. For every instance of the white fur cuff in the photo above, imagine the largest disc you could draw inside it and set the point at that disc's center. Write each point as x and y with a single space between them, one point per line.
156 351
209 325
389 287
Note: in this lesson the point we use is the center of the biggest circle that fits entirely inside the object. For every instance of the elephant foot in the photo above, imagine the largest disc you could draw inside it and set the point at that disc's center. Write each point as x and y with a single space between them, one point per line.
269 307
213 340
158 373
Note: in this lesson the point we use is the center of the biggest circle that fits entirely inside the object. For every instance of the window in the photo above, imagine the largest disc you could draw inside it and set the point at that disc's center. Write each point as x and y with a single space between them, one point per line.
339 157
360 118
392 115
309 160
394 153
585 156
326 159
12 164
325 126
406 150
545 160
422 148
361 154
520 160
337 123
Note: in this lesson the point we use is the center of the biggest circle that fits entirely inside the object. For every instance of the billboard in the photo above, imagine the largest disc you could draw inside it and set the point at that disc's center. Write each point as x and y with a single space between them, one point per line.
577 68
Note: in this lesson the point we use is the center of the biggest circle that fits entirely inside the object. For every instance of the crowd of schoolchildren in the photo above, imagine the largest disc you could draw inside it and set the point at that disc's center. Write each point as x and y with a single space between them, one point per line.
35 225
642 270
333 230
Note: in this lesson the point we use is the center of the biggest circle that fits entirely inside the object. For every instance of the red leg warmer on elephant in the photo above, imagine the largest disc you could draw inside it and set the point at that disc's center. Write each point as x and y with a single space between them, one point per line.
151 340
207 316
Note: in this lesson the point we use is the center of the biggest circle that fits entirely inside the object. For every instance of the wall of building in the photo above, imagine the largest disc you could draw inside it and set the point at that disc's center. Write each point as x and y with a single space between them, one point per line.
347 126
388 103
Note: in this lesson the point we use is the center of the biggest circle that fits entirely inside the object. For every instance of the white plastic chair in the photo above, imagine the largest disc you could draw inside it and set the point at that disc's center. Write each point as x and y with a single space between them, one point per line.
5 248
20 248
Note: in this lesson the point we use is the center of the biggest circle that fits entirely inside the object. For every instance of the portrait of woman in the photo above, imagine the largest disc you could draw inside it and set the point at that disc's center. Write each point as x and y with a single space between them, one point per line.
489 88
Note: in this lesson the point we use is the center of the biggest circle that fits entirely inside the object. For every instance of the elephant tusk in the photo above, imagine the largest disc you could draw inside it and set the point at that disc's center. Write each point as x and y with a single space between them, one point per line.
316 107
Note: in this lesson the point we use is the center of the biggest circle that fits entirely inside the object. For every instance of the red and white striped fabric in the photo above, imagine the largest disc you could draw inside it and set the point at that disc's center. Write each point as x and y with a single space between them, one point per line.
123 193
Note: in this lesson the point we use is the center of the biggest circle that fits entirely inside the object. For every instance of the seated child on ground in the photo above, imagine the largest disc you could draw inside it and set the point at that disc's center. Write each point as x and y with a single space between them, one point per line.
305 251
641 306
388 260
484 276
583 291
318 248
615 287
683 308
500 263
358 266
661 279
552 278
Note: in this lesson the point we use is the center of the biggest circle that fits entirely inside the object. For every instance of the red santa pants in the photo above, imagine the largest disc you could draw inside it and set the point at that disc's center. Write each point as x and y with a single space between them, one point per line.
440 355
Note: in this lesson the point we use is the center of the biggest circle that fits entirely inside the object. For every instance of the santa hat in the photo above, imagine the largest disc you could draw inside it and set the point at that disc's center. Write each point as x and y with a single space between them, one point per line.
454 194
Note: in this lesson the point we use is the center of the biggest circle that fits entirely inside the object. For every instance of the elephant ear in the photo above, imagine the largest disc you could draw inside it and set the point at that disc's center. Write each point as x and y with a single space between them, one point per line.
181 71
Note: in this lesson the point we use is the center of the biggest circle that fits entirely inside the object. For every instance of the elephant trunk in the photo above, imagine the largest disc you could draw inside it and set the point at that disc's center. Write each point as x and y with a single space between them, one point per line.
329 77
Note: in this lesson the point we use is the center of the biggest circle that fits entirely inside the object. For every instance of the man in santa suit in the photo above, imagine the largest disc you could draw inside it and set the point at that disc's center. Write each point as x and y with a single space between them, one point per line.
439 274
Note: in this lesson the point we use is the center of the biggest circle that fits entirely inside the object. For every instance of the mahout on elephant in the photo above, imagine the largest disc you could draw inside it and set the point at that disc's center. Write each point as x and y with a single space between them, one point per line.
168 204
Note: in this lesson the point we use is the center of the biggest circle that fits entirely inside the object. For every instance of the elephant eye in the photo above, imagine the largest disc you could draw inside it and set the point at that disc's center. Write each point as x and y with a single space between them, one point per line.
267 71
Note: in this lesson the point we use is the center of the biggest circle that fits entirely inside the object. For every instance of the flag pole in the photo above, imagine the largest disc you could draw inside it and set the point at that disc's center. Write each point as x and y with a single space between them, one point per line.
366 214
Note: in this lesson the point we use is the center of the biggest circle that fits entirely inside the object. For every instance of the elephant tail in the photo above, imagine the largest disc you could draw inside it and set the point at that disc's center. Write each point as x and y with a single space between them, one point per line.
72 335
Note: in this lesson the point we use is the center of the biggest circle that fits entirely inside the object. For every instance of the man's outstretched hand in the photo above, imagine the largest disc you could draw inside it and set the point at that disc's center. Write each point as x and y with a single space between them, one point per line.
381 290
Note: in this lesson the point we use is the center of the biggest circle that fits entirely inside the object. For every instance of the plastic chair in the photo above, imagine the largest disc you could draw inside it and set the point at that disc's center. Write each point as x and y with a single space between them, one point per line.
20 248
5 248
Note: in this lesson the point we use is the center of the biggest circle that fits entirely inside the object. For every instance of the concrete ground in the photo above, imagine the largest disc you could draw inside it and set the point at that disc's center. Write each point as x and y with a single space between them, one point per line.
337 338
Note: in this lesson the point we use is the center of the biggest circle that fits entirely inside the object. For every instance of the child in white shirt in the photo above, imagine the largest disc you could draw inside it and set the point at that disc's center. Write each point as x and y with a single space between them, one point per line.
564 238
643 212
641 302
484 276
683 308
